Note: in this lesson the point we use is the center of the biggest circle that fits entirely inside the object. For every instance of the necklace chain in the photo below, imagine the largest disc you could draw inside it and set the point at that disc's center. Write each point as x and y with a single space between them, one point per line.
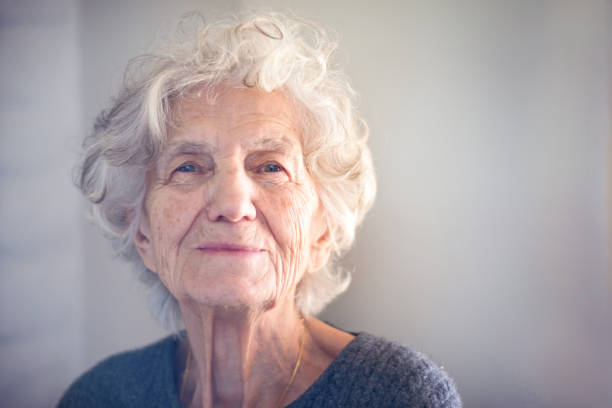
185 373
291 379
297 365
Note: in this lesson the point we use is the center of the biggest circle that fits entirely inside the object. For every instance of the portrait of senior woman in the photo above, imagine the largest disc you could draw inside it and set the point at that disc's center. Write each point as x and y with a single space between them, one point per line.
232 171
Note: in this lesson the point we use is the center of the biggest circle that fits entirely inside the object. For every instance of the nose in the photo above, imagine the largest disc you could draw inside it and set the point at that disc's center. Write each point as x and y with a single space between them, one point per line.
230 198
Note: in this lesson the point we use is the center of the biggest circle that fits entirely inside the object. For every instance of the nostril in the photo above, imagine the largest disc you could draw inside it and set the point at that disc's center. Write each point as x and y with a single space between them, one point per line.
232 199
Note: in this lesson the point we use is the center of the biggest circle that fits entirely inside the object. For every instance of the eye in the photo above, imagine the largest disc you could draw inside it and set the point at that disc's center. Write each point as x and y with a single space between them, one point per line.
187 168
187 172
271 168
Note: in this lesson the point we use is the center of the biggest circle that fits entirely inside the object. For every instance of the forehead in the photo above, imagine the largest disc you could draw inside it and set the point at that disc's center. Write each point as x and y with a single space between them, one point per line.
248 112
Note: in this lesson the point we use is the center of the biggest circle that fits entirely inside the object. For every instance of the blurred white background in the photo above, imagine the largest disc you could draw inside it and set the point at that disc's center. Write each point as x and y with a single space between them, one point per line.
488 247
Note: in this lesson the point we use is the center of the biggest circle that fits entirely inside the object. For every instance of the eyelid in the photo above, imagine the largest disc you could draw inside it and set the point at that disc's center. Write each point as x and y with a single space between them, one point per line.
202 163
197 166
271 162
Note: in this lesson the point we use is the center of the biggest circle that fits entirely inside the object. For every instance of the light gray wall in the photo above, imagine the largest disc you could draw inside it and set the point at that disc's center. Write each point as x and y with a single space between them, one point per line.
488 247
40 255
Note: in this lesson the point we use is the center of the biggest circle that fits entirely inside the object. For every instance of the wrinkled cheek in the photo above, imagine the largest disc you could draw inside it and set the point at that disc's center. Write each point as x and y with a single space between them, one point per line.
163 260
293 248
167 238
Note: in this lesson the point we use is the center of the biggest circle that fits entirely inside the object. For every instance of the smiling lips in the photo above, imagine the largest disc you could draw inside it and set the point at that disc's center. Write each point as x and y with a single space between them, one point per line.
224 248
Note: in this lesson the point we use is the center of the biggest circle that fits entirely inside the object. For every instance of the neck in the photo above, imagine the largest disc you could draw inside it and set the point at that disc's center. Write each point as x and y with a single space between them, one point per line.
236 353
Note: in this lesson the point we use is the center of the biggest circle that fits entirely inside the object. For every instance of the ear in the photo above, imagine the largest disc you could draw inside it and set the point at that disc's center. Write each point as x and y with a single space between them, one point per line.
143 243
321 246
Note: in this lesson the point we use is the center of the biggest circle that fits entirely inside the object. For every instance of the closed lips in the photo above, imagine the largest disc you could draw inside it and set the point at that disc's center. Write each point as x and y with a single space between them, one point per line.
223 246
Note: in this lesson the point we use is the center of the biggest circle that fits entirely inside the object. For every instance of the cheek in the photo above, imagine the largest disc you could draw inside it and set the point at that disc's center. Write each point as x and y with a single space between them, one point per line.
170 221
291 224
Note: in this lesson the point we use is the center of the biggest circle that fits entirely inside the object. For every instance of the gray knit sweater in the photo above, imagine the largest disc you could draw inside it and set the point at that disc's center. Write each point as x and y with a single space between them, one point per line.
369 372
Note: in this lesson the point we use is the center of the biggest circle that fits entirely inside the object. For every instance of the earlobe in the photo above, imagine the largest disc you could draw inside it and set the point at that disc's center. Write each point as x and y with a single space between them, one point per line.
142 241
321 249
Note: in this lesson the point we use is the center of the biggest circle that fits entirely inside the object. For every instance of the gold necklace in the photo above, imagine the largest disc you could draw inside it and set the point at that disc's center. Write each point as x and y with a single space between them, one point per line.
297 365
185 373
291 379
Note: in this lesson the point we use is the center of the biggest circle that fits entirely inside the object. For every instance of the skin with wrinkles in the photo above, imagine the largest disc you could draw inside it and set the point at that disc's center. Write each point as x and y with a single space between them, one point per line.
232 223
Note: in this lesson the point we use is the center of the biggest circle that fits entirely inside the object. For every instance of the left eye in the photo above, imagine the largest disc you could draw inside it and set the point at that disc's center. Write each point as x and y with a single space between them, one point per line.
270 168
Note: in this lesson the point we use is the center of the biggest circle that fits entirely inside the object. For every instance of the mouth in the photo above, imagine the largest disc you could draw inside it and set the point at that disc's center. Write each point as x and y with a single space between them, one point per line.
225 248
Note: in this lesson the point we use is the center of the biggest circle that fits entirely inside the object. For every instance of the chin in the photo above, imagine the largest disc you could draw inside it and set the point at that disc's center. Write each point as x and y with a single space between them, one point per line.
233 295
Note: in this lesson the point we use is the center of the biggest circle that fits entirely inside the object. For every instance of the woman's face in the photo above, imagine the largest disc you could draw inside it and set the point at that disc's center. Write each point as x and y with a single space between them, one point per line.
231 216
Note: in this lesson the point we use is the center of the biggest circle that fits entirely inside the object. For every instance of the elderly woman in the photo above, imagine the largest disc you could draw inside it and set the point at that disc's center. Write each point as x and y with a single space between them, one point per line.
232 170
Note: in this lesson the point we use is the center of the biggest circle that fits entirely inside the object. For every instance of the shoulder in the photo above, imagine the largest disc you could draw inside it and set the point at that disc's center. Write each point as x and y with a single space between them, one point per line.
372 371
127 379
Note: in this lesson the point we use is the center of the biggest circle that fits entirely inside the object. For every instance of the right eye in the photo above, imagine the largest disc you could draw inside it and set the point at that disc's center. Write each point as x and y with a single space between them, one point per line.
187 168
187 173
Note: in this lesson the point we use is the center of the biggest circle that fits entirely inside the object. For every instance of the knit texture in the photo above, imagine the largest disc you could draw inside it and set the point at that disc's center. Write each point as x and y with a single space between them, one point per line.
369 372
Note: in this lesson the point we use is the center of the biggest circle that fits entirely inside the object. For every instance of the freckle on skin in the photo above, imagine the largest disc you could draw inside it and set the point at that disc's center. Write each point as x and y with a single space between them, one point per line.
286 209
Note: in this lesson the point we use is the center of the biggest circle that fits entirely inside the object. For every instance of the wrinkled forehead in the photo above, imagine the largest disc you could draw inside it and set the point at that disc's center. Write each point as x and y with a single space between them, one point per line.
211 124
230 107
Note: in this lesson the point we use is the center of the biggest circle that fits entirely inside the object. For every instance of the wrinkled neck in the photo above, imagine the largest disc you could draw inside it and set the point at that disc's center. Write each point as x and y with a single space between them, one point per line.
237 353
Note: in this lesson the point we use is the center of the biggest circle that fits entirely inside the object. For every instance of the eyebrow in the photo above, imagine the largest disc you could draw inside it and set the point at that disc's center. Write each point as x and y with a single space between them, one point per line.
175 149
178 148
280 145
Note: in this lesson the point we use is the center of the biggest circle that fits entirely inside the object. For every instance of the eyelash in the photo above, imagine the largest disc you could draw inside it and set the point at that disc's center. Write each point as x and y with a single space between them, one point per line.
268 168
194 166
278 167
